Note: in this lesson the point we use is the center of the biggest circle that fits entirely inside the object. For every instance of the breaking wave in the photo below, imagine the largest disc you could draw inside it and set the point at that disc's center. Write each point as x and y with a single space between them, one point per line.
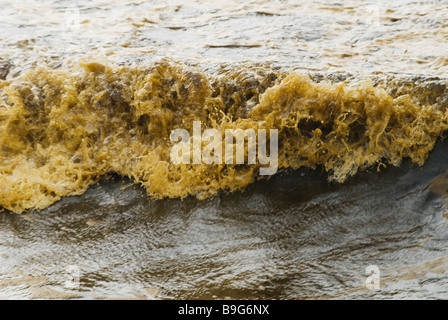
62 130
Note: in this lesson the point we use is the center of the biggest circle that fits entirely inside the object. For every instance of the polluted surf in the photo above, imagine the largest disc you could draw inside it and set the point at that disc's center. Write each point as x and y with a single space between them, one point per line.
62 130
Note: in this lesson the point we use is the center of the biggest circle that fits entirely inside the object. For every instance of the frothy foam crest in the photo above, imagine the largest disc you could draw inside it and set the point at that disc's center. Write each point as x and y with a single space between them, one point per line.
63 130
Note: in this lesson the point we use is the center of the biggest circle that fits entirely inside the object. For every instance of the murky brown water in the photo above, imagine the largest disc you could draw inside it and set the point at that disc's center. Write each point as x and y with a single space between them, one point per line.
296 236
293 236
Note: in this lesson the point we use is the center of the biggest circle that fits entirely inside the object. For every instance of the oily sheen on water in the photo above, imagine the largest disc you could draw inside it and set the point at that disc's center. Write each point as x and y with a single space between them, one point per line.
63 130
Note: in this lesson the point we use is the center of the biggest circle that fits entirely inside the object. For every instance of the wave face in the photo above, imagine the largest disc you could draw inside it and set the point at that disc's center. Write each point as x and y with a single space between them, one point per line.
63 130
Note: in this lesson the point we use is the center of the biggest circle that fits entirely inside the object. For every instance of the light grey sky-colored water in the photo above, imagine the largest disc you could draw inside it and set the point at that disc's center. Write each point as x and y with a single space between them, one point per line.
331 36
